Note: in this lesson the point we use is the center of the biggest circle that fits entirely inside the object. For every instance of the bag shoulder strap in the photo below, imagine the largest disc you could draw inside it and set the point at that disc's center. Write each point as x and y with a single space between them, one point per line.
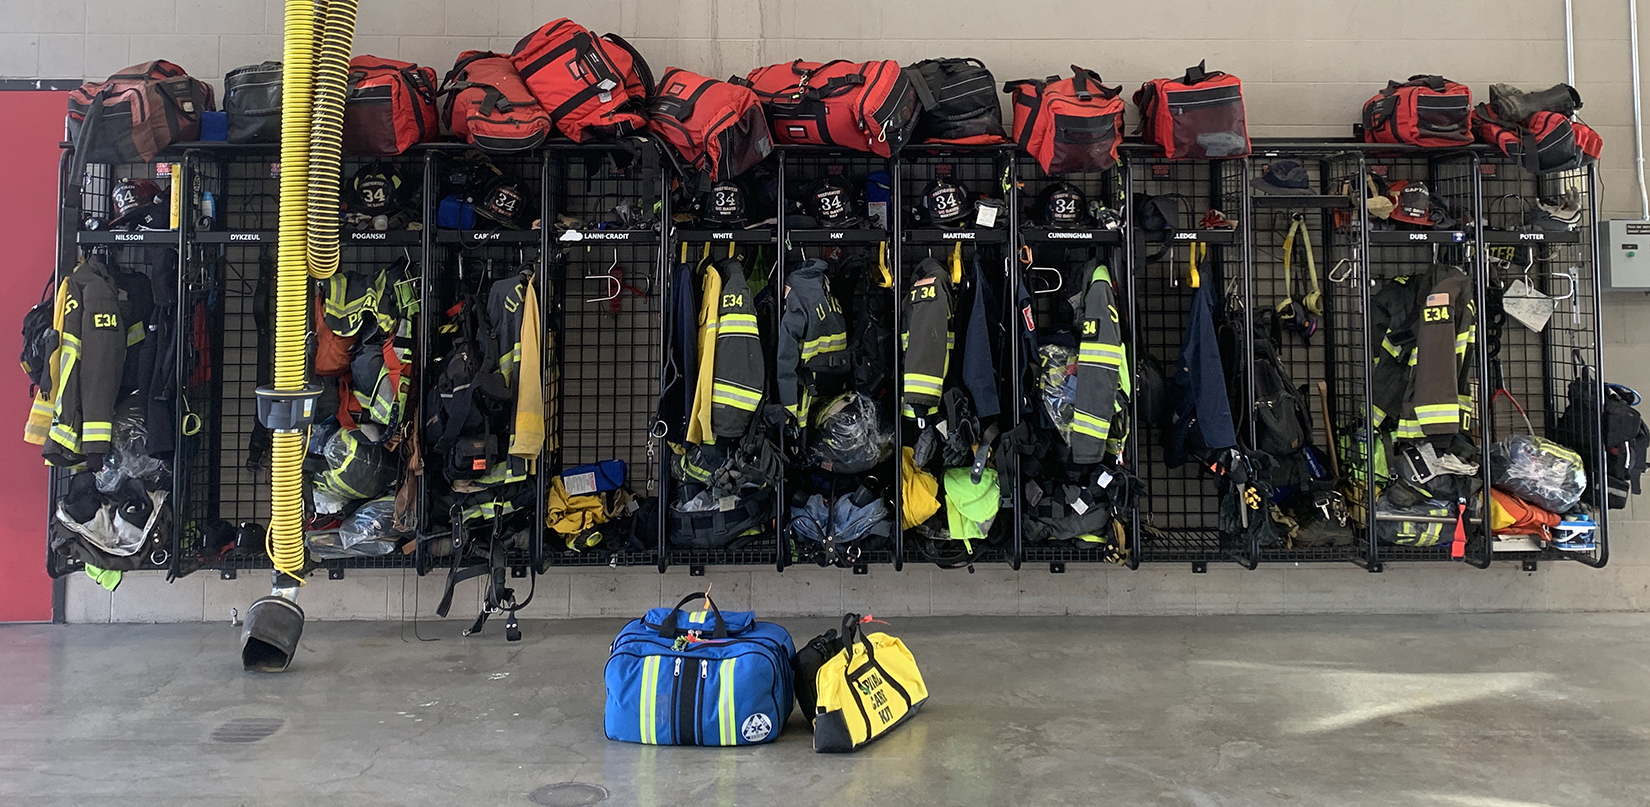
637 63
925 93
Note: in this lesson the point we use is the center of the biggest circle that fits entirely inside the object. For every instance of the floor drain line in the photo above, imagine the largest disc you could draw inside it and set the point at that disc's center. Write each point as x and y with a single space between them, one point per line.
569 794
246 729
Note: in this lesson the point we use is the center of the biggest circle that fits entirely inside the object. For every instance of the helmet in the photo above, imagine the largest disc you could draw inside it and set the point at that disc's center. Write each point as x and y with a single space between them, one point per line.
831 200
945 202
725 203
1414 205
1061 204
375 190
503 200
849 435
139 203
131 193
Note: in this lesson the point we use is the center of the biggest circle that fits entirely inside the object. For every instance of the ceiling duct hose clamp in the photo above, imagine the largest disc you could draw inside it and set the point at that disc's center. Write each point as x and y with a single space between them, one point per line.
287 411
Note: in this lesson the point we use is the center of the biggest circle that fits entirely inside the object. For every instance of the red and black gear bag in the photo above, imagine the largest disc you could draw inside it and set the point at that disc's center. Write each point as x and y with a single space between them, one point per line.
959 103
1068 125
136 113
1198 116
1549 142
390 107
1429 111
489 105
869 106
716 127
594 87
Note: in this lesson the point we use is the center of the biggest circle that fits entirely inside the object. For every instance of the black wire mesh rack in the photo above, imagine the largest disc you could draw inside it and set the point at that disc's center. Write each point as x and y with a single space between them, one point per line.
1179 506
854 252
982 171
1451 176
605 311
83 229
1052 278
461 262
1543 369
229 273
1315 314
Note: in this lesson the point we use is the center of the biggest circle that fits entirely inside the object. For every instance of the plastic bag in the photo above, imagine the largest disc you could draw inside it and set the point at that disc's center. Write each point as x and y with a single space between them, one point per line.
130 458
1538 471
356 470
369 531
849 435
1057 385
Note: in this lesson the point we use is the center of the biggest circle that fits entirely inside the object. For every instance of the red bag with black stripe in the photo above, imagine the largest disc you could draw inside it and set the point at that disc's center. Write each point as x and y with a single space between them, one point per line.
717 128
869 106
1547 142
1429 111
1068 125
390 107
490 107
1198 116
594 87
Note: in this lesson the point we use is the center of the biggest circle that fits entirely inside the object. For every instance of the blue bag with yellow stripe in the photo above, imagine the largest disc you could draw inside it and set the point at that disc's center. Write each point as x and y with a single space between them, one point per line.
678 677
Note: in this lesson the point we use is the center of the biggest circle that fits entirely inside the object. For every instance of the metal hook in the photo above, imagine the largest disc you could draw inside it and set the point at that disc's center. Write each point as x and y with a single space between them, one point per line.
1059 279
614 285
1337 275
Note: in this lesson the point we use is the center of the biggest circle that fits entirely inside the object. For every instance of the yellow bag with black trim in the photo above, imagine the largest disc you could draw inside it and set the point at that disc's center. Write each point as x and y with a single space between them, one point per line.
864 691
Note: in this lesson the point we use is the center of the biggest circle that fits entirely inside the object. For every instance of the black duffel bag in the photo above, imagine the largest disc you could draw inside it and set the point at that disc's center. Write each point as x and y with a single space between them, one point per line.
723 529
252 102
959 103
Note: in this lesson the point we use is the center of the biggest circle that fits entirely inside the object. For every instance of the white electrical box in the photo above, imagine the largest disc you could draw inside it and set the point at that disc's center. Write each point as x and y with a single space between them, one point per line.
1625 251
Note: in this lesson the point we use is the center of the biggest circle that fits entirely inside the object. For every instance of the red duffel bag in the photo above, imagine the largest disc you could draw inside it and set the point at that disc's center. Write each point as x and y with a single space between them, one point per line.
869 106
716 127
489 105
390 107
1429 111
1068 125
1198 116
1548 142
594 87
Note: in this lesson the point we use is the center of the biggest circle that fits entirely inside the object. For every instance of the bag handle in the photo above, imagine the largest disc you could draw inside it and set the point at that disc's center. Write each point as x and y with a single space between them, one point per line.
1435 83
1080 83
1199 73
637 63
669 630
925 93
77 168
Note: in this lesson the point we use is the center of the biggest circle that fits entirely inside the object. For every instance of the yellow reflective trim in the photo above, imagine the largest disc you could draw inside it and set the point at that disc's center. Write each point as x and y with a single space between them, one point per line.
650 700
735 396
134 334
726 716
1085 423
1437 413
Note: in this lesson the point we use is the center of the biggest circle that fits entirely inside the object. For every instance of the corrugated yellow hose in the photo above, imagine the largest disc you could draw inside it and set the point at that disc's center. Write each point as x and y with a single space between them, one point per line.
326 141
285 540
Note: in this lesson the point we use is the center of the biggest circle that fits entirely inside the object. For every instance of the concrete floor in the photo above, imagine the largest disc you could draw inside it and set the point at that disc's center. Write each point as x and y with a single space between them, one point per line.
1507 710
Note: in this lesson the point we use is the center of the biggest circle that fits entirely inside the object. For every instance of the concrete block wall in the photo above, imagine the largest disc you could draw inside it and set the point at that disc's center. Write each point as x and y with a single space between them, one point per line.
1307 65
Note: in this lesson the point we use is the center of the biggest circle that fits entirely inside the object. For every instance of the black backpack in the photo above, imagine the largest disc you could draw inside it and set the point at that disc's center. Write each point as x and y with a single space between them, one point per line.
466 415
959 102
1626 438
1282 421
40 341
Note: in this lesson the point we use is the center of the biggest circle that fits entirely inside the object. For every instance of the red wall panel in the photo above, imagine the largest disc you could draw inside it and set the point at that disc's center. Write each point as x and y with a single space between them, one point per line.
31 124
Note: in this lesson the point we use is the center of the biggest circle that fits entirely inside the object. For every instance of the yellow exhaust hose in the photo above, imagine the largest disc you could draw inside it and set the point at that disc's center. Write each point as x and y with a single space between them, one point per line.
327 135
285 539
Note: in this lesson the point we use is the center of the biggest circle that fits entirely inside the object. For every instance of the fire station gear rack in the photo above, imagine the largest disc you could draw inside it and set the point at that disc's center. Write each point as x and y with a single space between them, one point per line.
606 365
